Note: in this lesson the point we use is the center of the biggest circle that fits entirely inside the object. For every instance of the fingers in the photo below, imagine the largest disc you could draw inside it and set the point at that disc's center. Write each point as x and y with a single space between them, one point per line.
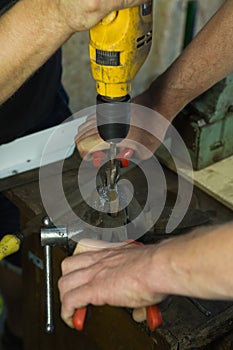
140 141
89 124
92 252
79 269
91 143
72 300
81 261
105 276
139 314
86 245
86 133
124 156
125 153
72 281
88 140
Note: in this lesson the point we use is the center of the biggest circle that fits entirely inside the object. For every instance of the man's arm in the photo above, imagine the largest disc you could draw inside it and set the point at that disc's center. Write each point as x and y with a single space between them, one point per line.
32 30
207 60
198 264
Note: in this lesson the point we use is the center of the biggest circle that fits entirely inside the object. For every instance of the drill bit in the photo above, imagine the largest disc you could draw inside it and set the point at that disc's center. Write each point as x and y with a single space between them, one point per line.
113 178
107 190
113 166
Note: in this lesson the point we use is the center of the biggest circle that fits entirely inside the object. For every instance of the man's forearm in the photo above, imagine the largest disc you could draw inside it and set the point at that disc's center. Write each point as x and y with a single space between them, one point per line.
208 59
32 30
30 33
198 264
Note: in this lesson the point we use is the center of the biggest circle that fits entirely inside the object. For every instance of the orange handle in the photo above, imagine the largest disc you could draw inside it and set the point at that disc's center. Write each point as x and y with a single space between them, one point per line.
98 158
154 317
153 313
79 318
124 155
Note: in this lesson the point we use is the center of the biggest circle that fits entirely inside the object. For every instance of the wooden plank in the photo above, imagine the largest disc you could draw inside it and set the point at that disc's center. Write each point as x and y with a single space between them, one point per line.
216 180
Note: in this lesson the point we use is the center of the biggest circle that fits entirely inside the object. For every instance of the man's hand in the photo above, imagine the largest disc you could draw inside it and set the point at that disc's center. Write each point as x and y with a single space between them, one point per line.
151 114
189 76
147 130
138 276
118 277
82 15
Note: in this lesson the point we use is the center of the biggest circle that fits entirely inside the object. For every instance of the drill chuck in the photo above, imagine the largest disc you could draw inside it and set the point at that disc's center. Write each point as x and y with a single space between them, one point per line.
113 118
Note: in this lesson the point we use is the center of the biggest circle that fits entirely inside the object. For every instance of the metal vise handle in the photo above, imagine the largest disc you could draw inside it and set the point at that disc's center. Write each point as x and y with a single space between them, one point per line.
50 236
48 289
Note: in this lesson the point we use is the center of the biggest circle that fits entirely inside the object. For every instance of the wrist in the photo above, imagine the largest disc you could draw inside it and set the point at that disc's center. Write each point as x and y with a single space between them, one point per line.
55 17
161 272
166 99
41 18
170 275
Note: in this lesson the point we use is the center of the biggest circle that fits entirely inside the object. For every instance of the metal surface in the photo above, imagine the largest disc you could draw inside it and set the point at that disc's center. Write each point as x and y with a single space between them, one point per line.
113 166
206 125
35 260
54 236
109 175
49 289
200 307
51 236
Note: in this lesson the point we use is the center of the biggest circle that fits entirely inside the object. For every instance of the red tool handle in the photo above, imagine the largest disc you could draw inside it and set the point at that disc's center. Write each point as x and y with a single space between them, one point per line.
153 317
124 156
79 318
98 158
153 314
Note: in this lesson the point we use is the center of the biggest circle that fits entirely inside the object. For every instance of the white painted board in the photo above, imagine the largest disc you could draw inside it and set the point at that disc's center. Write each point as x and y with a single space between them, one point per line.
25 153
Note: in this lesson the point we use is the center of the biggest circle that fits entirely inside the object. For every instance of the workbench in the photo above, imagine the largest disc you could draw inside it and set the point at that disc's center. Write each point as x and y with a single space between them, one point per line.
187 323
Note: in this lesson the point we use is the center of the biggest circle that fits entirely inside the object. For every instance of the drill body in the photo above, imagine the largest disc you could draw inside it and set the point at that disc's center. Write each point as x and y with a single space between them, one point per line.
119 45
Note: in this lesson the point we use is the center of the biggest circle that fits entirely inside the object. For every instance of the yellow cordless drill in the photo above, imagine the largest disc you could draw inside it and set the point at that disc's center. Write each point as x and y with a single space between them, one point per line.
119 45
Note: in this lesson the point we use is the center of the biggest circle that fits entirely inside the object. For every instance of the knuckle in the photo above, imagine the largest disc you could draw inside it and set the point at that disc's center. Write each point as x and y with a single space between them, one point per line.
93 6
64 266
66 300
66 304
61 284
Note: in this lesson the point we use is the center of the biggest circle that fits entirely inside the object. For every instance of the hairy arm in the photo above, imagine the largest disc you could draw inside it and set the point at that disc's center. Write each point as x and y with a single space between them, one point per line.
207 60
198 264
32 30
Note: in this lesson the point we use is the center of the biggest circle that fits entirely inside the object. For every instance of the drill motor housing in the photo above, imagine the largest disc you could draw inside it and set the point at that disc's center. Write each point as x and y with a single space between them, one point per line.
119 45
